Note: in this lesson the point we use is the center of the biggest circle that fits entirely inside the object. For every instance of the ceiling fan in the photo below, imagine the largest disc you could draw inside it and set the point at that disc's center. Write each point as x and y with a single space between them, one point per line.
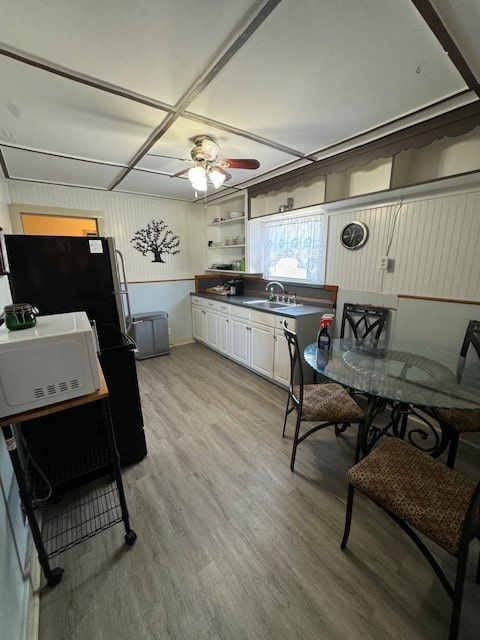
206 165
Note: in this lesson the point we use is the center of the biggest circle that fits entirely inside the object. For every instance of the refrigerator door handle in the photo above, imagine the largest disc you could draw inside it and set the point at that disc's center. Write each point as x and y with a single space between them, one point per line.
124 289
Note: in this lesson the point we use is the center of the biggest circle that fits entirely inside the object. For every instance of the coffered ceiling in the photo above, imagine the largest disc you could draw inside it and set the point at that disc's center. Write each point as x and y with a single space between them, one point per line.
108 94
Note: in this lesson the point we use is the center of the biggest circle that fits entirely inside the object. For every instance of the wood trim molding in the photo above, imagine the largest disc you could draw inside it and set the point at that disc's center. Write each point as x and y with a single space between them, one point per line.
433 299
16 210
451 124
161 281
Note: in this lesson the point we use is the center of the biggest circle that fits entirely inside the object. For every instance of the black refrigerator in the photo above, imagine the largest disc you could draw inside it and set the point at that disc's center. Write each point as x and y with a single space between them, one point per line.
59 274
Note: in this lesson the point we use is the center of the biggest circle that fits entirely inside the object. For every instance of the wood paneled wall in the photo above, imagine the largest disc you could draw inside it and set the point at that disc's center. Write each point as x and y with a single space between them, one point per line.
434 245
125 214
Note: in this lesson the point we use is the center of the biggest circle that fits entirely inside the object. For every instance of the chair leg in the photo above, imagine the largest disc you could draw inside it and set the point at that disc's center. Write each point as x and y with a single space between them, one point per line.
286 416
452 451
348 516
458 594
295 442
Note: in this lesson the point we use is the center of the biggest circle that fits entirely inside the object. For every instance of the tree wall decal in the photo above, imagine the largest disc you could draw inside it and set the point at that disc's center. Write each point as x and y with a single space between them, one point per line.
158 239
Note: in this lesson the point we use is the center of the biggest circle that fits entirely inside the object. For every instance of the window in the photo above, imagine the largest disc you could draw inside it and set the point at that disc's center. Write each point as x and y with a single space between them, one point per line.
294 249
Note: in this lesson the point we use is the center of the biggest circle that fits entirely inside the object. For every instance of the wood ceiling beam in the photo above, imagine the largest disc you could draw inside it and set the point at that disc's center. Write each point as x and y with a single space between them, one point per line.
232 45
82 78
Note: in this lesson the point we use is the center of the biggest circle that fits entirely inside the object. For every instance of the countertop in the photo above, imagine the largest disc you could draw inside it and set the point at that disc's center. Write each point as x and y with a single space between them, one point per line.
289 311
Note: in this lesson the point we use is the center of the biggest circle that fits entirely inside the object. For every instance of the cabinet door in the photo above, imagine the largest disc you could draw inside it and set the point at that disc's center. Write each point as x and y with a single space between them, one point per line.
198 323
281 360
240 339
224 333
261 353
211 318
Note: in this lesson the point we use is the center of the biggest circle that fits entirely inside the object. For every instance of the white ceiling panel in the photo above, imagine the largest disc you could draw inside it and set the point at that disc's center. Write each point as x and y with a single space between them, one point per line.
152 47
342 67
36 166
51 113
273 80
158 185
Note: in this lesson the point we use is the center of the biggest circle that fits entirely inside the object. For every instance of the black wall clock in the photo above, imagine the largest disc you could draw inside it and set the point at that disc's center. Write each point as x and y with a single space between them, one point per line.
354 235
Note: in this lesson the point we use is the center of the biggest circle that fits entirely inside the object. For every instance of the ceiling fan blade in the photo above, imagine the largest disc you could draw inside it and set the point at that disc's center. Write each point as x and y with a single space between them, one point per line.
180 173
240 163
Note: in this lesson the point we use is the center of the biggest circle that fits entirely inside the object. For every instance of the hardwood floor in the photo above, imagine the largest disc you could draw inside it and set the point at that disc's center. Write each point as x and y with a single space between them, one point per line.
232 545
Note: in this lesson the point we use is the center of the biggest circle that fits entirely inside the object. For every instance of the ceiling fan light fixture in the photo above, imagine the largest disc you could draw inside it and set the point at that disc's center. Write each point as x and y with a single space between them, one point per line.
217 177
209 148
198 178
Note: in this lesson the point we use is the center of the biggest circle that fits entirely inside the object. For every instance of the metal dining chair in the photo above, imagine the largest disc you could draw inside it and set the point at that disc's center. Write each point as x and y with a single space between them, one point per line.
421 493
364 321
327 404
454 422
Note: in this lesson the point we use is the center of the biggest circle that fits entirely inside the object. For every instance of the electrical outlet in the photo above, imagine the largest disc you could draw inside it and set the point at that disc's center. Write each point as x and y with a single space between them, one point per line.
384 262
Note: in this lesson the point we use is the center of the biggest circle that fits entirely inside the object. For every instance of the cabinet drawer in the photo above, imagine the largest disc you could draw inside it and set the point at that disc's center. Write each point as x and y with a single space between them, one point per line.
200 302
211 304
224 307
260 317
239 312
291 323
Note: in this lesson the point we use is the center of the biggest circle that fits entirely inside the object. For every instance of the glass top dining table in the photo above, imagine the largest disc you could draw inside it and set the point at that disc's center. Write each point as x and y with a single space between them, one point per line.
399 372
408 380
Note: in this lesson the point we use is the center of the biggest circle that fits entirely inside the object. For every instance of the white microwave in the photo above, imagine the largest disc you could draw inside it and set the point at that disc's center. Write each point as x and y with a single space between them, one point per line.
53 361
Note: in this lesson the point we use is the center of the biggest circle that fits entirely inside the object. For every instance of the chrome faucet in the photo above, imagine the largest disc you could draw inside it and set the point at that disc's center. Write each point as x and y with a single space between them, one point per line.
269 288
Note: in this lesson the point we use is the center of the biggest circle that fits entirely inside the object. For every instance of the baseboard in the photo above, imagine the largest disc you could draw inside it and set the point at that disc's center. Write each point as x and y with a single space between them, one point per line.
177 342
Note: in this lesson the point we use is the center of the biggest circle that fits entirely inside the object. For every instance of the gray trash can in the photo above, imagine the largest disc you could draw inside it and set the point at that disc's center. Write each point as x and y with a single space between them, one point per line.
150 333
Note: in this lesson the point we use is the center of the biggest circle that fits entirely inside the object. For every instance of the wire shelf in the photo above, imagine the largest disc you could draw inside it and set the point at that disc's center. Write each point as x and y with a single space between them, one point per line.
78 452
80 515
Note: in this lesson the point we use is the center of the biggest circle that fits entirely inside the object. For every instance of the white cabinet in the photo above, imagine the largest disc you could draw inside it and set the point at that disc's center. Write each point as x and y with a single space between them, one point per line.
211 323
199 321
281 359
262 342
252 338
240 334
224 340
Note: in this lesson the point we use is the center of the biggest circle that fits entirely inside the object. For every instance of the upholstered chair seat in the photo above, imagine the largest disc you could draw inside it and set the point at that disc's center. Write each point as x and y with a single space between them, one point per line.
328 402
422 491
423 496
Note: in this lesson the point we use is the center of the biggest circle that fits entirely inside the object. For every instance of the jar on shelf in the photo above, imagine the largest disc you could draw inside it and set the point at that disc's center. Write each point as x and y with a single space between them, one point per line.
20 316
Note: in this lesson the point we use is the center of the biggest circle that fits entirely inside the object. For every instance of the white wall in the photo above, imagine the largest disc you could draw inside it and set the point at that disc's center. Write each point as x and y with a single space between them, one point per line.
434 243
14 582
153 286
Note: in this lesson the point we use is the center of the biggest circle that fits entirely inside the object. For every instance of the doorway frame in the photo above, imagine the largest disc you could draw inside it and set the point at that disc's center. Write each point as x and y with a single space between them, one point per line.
16 210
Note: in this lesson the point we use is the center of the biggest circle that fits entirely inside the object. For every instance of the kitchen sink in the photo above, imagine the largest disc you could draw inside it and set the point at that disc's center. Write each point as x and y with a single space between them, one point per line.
267 304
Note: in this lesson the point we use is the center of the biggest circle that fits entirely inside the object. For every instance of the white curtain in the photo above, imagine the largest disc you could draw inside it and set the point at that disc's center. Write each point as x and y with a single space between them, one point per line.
294 248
